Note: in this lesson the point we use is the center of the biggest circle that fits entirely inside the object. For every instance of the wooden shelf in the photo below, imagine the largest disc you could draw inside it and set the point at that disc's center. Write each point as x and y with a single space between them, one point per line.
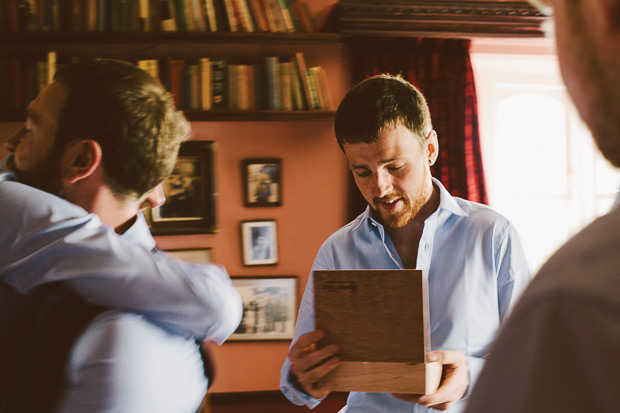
49 38
440 18
258 116
229 116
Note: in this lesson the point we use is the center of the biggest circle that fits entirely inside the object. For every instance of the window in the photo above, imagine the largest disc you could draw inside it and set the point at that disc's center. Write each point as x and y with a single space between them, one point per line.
542 168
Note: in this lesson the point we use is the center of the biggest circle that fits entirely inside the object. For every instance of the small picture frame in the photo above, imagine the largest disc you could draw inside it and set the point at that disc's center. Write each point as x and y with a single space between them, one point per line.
262 182
199 255
259 242
269 308
190 194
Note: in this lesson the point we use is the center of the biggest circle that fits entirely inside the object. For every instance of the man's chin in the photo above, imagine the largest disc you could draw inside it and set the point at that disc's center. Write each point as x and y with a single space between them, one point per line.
393 219
47 184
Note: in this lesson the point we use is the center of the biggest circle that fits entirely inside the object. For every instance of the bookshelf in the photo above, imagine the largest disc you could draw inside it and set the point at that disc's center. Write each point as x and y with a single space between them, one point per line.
183 44
31 47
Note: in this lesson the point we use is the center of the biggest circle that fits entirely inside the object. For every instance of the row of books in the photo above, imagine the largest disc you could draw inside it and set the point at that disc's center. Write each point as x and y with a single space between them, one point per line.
156 15
274 84
207 84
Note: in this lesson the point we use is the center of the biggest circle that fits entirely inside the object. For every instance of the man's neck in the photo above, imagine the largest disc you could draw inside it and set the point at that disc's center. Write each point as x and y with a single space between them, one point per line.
112 211
406 239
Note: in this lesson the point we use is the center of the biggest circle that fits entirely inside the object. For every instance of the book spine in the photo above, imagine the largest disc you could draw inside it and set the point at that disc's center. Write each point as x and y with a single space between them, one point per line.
206 100
168 16
244 16
285 86
251 82
231 87
296 88
221 16
301 65
325 90
41 76
243 87
286 16
51 66
312 91
259 87
313 77
210 10
230 14
189 15
259 15
306 23
194 87
292 8
272 77
218 70
177 76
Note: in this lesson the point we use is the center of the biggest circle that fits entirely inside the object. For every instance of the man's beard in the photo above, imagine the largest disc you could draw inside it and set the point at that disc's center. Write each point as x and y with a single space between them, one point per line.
411 207
46 176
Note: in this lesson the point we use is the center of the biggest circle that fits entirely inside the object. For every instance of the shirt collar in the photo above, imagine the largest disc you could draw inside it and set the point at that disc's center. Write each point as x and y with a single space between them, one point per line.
446 202
139 233
5 174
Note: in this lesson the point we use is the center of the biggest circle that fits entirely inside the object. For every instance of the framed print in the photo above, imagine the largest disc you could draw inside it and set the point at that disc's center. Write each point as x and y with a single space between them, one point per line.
269 307
200 255
262 182
259 242
190 193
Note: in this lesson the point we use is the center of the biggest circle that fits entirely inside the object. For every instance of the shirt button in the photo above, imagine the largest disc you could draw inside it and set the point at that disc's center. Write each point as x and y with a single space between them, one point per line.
426 246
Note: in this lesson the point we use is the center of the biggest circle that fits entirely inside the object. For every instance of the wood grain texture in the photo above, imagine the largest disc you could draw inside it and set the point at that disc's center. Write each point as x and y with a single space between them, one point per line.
372 315
377 319
387 377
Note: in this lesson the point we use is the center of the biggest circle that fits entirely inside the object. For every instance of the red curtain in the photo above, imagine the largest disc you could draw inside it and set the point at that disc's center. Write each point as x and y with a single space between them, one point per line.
441 69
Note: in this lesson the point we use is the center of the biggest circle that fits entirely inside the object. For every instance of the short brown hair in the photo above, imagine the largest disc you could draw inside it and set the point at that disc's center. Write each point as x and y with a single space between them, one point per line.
377 102
129 114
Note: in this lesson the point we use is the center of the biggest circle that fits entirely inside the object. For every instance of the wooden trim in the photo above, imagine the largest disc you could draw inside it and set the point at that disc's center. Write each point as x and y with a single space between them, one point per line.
440 18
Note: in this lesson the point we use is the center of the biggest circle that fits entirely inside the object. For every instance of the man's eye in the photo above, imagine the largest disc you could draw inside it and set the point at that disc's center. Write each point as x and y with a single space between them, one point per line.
363 174
395 168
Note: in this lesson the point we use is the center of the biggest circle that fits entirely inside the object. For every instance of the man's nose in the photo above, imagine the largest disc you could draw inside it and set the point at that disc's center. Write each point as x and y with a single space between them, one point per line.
383 183
14 140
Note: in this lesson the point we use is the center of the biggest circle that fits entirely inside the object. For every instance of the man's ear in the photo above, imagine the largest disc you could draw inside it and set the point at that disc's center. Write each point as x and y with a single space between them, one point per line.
432 145
80 160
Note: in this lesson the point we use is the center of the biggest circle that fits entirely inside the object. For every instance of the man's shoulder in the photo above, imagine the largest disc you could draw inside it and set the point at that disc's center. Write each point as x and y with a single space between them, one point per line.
481 215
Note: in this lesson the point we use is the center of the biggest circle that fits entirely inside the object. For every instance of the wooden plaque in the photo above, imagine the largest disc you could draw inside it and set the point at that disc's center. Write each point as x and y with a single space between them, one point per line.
378 319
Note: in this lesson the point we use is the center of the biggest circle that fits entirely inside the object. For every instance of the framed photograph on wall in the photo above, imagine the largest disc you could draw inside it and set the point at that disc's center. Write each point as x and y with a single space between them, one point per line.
259 242
200 255
262 186
269 307
190 194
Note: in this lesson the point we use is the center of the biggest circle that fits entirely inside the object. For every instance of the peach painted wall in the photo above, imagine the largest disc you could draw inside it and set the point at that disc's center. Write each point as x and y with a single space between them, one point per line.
313 189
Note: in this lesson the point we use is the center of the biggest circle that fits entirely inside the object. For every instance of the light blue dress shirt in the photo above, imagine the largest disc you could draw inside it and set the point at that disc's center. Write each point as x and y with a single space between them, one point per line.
44 238
475 266
124 363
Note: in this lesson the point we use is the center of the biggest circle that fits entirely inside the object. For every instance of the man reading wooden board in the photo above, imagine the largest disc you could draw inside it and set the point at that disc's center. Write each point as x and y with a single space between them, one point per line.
471 256
377 319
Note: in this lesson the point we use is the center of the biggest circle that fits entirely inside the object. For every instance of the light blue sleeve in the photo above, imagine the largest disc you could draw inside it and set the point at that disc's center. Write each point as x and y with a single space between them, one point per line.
304 325
123 363
46 239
